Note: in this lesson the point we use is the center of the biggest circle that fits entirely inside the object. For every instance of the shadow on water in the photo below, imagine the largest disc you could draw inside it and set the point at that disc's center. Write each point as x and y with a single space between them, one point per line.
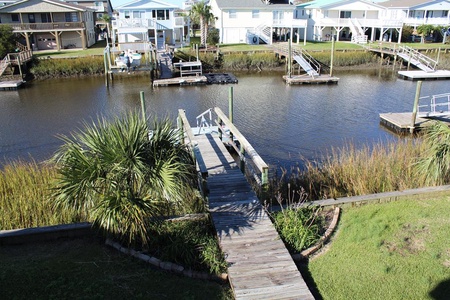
441 291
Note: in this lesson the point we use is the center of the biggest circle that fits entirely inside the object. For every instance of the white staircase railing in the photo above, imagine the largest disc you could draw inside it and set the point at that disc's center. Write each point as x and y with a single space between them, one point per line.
4 63
418 59
262 31
205 121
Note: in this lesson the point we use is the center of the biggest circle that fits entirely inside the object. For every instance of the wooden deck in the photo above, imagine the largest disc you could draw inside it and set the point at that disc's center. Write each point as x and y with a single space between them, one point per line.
422 75
10 85
306 79
259 265
401 122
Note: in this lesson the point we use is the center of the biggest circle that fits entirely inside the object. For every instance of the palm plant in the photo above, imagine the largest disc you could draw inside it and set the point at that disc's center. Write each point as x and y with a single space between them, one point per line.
119 176
434 167
201 14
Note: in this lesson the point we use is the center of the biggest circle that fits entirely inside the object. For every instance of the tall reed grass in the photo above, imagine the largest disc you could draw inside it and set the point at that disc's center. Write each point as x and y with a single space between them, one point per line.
346 59
24 197
48 68
349 171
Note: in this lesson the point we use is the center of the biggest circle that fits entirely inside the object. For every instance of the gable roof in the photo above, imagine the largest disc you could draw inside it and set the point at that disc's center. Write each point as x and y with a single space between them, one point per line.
38 6
324 4
252 4
147 4
407 3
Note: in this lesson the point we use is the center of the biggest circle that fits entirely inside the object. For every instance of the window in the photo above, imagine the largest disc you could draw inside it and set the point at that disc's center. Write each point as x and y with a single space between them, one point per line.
31 18
232 14
411 13
160 14
126 14
346 14
15 17
98 4
255 14
71 17
45 18
444 13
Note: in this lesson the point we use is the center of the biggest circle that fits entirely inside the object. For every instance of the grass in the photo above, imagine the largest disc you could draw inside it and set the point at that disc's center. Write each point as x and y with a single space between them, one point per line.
24 194
87 269
397 250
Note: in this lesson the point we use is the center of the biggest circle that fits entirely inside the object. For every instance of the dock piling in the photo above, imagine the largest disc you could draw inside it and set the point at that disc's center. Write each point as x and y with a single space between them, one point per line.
416 104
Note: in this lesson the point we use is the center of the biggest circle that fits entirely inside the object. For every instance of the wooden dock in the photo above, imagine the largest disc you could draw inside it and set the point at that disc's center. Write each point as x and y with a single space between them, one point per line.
307 79
401 122
10 85
259 265
422 75
186 80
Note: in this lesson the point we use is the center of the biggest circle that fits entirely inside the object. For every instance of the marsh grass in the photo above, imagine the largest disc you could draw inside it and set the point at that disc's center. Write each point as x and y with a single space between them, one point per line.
347 58
80 66
350 171
396 250
24 197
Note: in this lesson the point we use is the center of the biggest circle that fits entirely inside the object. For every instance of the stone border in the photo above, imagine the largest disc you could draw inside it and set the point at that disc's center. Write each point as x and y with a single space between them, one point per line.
311 250
167 266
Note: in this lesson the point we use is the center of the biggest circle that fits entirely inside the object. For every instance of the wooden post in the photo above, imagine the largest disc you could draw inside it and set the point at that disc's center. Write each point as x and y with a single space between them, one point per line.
230 104
289 58
180 129
20 66
144 114
438 56
219 130
395 58
409 60
332 56
106 67
416 104
265 177
242 159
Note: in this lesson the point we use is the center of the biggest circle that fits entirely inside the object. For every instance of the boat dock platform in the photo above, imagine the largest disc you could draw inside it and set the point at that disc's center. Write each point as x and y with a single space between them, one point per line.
210 78
259 265
10 85
307 79
422 75
402 122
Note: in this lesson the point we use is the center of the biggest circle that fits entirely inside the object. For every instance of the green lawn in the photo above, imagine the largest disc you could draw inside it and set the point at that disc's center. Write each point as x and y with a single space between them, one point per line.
87 269
398 250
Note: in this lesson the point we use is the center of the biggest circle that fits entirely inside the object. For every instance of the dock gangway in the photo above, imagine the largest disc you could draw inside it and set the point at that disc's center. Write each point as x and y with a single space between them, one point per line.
418 59
259 265
434 106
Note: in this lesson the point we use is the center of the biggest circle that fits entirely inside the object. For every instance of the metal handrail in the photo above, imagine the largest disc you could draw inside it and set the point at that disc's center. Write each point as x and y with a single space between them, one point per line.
202 122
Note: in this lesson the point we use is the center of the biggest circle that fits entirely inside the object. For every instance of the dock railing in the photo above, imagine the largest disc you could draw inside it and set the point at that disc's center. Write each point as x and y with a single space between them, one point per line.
414 54
187 137
439 105
250 161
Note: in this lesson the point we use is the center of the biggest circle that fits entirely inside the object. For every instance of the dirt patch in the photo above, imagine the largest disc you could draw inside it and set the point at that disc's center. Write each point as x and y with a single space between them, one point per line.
410 240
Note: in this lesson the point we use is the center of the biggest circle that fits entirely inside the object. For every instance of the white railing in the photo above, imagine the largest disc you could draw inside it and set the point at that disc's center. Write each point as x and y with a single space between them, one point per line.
147 23
4 64
413 54
359 39
363 22
439 105
431 21
204 121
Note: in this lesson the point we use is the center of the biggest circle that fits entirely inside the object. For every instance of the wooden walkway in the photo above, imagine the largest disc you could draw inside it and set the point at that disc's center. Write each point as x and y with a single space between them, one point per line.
259 265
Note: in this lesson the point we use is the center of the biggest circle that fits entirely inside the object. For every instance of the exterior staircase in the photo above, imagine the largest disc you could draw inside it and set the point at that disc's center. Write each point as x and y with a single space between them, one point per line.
416 58
262 32
358 34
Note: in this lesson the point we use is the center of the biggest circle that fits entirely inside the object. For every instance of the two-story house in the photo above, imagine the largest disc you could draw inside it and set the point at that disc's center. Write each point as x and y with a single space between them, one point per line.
255 21
50 24
350 20
100 7
418 12
148 20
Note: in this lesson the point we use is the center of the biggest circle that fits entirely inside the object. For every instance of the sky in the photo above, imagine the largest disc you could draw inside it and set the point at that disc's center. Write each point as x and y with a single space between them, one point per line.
116 3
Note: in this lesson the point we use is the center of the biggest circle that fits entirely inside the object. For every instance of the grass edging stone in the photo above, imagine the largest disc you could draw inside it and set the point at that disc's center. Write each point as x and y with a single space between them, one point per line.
167 266
313 249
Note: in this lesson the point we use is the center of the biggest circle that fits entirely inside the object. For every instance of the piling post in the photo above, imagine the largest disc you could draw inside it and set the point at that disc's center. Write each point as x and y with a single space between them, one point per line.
332 56
289 58
180 129
438 55
395 58
143 108
230 104
106 67
416 104
242 159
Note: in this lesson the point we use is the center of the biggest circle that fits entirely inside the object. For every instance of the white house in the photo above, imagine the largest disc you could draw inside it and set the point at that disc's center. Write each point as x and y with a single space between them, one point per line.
418 12
148 20
352 20
50 24
255 21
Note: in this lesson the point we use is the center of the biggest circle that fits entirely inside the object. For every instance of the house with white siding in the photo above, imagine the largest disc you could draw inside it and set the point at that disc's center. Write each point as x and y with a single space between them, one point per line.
348 20
255 21
148 21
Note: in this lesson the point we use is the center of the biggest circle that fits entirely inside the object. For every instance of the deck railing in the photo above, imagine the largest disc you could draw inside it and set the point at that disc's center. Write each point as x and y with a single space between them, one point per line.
250 161
47 26
439 105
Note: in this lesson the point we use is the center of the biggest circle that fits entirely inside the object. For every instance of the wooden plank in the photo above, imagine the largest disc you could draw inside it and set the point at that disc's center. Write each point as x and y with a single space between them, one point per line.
260 267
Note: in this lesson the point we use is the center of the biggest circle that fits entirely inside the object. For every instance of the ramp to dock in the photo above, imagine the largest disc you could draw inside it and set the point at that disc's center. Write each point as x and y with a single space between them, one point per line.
305 65
259 265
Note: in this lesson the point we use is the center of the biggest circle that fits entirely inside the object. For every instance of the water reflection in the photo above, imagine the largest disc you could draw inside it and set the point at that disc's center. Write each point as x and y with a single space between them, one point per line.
282 122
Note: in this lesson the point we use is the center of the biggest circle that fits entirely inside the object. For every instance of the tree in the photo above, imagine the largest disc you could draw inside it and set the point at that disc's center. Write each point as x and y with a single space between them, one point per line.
201 14
434 167
7 40
425 30
119 177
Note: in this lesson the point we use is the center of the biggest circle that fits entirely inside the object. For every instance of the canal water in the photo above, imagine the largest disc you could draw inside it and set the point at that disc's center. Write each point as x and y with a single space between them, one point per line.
283 123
